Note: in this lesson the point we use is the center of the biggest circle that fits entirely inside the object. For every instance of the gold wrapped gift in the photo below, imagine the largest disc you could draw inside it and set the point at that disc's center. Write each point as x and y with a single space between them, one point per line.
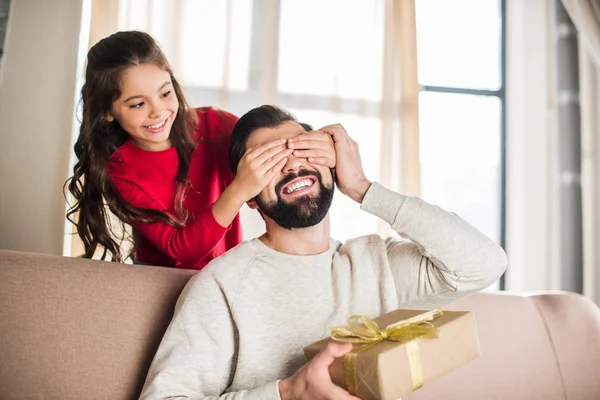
414 348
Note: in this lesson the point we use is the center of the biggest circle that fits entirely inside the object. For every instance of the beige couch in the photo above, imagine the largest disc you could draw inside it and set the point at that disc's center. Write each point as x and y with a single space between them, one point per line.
80 329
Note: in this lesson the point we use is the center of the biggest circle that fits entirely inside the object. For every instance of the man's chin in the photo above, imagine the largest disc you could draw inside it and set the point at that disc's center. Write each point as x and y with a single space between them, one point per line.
296 201
298 212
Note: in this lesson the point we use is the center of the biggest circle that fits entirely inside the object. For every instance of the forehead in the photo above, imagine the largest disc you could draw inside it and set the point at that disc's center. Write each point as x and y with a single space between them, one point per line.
286 130
143 78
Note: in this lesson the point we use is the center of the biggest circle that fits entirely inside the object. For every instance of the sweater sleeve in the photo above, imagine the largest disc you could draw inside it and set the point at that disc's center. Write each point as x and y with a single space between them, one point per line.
189 244
196 358
444 259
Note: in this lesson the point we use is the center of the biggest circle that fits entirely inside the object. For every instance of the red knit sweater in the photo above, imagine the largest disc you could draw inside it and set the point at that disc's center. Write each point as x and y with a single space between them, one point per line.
147 179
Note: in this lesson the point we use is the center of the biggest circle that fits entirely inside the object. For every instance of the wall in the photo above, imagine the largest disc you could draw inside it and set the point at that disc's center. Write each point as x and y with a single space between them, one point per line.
37 99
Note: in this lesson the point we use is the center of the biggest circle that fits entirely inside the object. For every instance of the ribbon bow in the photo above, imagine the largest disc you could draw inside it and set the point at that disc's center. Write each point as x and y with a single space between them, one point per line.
363 330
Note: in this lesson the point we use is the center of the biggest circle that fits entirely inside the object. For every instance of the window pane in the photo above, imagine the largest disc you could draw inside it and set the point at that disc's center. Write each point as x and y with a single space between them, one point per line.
460 157
323 53
212 39
458 43
207 44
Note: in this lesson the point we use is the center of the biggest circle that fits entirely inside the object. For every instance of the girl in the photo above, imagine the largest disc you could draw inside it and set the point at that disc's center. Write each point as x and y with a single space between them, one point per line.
160 166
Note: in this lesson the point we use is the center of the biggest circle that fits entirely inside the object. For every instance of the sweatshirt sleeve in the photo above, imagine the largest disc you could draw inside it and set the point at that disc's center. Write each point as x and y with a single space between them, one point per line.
444 259
189 244
196 358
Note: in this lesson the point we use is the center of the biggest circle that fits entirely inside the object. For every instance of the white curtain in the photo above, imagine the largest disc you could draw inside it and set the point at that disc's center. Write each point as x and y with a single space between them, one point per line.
533 213
585 15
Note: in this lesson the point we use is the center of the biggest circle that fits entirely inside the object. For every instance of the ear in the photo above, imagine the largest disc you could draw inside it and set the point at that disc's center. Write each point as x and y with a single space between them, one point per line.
109 117
252 204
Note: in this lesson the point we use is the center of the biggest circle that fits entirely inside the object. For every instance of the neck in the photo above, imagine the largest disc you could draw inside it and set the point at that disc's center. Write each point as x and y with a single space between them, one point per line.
299 242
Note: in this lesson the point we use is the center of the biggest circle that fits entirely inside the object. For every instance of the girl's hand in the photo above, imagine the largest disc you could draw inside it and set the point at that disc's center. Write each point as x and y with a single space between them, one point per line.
258 167
316 146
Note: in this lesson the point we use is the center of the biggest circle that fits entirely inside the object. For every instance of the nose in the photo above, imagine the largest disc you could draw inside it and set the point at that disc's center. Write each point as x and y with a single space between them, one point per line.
293 164
156 109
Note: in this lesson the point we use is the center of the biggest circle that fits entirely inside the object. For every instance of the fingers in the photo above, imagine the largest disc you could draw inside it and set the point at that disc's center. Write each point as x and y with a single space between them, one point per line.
256 151
333 128
277 167
272 163
321 157
324 161
316 146
264 157
337 131
312 153
272 153
332 351
307 143
311 140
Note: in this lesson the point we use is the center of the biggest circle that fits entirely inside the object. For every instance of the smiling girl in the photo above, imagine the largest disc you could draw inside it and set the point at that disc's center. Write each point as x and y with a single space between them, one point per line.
158 165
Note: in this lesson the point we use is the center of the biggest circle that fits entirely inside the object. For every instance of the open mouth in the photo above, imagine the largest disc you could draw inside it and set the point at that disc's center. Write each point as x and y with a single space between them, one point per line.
157 127
299 185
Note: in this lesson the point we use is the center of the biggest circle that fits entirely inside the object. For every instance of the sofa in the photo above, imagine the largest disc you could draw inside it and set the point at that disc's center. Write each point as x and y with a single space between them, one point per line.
84 329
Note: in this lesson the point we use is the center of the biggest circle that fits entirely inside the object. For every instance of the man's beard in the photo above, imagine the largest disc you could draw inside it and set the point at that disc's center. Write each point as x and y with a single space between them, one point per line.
304 211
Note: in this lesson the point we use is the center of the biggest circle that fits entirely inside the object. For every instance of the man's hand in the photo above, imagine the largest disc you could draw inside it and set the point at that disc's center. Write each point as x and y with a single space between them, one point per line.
312 381
316 146
350 176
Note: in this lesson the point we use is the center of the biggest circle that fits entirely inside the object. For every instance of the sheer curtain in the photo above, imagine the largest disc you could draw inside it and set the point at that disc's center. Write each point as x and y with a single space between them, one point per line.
303 56
585 15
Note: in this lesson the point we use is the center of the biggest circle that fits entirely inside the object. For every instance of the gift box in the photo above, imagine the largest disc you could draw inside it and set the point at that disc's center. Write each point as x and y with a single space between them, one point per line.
399 352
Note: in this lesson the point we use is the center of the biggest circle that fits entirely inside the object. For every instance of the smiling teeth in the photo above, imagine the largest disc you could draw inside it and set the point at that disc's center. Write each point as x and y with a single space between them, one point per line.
298 185
157 125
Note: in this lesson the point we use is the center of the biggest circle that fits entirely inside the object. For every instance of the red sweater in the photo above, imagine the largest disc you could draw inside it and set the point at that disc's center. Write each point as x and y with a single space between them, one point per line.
147 179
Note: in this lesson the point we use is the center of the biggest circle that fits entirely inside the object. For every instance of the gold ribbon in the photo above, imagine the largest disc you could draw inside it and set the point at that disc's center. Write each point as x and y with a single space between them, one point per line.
363 330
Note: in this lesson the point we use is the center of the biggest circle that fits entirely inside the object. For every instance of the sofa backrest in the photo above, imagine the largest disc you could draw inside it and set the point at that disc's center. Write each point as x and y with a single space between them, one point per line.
82 329
539 346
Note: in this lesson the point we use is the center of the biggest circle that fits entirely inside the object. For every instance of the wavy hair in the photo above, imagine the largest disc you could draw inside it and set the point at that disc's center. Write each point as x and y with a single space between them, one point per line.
90 185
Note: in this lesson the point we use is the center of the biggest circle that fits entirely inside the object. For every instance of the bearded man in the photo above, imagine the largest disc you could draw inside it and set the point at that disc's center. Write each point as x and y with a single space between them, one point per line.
240 325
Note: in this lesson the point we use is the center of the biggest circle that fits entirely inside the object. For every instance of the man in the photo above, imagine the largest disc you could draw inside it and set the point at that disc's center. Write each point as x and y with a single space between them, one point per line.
240 324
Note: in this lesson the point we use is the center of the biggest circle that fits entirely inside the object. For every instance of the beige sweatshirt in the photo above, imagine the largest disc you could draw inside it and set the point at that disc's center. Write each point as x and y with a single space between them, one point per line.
241 323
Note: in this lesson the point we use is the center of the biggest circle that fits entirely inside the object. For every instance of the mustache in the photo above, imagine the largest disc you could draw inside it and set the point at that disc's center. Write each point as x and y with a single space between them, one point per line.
291 176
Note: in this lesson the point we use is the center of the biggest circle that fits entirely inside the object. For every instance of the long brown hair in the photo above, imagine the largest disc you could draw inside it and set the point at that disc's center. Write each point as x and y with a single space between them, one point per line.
90 184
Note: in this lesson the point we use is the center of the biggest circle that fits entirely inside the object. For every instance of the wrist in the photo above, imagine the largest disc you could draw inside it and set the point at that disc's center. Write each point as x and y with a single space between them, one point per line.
285 389
227 206
234 195
359 190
